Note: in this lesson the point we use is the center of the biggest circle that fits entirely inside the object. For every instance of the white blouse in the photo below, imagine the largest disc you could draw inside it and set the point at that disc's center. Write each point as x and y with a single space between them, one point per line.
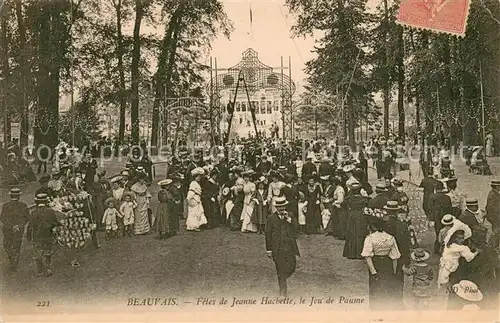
380 244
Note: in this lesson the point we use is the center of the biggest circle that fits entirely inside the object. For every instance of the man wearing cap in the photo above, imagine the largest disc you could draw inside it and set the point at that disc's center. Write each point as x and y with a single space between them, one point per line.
439 205
14 216
42 221
401 233
471 215
281 245
493 211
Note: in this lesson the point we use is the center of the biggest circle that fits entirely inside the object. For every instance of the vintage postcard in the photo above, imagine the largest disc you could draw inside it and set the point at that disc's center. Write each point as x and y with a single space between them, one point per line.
249 160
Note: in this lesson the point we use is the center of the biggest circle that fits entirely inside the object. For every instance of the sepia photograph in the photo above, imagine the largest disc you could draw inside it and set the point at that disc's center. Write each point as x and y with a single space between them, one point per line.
250 160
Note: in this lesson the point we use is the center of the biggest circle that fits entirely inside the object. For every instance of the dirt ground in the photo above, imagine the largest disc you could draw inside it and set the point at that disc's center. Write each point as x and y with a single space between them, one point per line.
212 264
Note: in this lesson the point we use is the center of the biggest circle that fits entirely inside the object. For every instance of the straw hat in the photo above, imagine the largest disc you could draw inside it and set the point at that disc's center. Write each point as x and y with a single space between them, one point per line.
392 206
325 177
41 199
381 188
109 200
165 182
495 182
447 219
116 179
471 201
420 255
247 173
280 201
15 192
467 290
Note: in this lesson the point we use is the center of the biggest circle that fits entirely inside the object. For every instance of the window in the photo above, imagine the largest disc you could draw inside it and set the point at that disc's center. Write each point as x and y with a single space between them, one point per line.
276 106
263 107
269 107
264 122
241 120
243 106
238 106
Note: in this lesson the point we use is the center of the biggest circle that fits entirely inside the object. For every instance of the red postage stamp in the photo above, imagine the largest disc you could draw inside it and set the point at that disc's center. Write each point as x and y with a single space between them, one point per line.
447 16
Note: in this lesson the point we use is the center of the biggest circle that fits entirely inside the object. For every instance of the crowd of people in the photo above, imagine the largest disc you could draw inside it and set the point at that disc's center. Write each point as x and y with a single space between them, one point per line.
272 188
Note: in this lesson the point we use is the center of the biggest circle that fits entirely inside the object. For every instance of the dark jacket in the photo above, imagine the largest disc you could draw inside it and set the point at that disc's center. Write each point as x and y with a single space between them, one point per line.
493 208
468 218
439 205
280 237
14 213
43 220
379 201
308 169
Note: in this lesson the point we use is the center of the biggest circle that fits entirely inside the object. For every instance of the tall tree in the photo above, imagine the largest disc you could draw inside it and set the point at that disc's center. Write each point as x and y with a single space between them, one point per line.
4 37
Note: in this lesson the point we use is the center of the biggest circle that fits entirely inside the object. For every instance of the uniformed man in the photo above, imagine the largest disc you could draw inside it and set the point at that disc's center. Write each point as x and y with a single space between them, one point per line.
14 216
43 220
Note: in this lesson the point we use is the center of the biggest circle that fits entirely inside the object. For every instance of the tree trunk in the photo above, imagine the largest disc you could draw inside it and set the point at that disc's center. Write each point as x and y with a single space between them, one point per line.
350 122
159 78
6 76
417 108
387 86
23 61
401 84
170 65
121 70
136 55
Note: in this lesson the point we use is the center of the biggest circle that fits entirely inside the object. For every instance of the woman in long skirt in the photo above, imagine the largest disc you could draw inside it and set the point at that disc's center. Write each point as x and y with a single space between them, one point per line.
338 214
196 215
261 208
247 214
142 196
238 201
381 253
162 223
356 223
313 216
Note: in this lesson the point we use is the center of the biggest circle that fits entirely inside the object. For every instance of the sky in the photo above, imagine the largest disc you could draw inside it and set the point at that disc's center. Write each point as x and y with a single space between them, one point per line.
269 35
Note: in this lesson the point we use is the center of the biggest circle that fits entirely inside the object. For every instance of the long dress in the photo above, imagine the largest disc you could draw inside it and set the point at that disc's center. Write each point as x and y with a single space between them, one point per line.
162 223
238 201
196 215
313 215
248 212
338 213
261 209
141 218
356 226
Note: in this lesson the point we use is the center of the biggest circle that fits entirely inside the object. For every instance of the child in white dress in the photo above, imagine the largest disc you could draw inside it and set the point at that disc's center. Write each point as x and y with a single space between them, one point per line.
454 249
302 212
127 210
109 218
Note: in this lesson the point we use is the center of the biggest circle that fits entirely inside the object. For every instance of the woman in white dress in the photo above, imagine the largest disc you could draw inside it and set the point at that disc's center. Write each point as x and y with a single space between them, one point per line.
248 212
142 196
195 214
275 188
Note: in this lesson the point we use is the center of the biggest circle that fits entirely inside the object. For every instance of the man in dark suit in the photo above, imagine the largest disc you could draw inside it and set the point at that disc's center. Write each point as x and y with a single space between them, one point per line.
401 234
428 184
439 205
14 216
470 214
309 168
281 245
493 211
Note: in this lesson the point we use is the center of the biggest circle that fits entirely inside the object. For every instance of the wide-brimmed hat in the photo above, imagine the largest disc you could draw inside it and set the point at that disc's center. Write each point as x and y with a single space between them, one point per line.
392 206
282 169
116 178
248 172
109 200
471 201
165 182
41 198
420 255
125 173
447 219
15 191
127 193
468 290
348 168
280 201
324 177
198 171
495 182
